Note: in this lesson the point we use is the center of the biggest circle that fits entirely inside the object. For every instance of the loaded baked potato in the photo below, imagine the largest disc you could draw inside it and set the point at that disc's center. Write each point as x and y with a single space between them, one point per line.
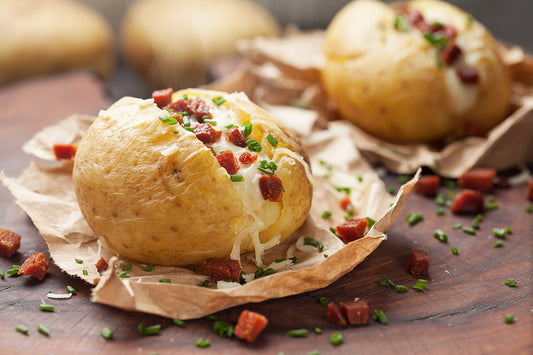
174 180
415 72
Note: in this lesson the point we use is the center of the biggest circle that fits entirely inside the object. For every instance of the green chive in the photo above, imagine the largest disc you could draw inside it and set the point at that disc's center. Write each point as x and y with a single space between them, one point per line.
414 218
273 141
223 329
476 221
529 209
211 122
79 261
420 285
457 226
127 267
210 317
510 283
440 235
204 283
46 307
203 343
152 330
253 145
390 190
440 212
71 289
509 319
469 230
314 352
42 329
499 233
165 281
178 323
230 126
85 272
168 120
269 271
449 183
440 200
401 288
219 100
455 251
404 179
22 329
326 214
236 178
380 316
326 255
298 333
336 338
258 272
383 283
123 275
149 267
401 23
371 222
318 330
247 128
279 260
323 300
508 230
106 333
293 259
2 276
347 190
491 207
13 271
316 243
497 244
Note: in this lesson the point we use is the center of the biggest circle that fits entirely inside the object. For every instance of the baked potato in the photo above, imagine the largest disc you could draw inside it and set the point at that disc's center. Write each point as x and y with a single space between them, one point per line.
174 180
416 72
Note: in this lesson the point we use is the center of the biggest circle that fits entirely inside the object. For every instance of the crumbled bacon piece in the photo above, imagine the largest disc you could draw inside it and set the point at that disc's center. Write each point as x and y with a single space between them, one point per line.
219 269
206 133
346 204
101 265
530 190
236 137
450 54
64 151
250 325
477 179
335 315
352 229
355 312
468 202
271 187
36 265
247 158
427 185
9 242
418 262
162 97
468 75
227 160
195 107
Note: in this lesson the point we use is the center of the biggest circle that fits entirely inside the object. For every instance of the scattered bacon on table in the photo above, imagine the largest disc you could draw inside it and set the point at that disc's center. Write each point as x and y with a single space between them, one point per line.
418 262
64 151
250 325
101 265
36 265
9 242
219 269
348 312
481 179
352 229
427 185
335 315
468 202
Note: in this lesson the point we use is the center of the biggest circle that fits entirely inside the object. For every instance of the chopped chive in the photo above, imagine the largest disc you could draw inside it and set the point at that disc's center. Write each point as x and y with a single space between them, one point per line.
326 255
204 283
336 338
273 141
258 272
476 221
79 261
297 333
46 307
279 260
165 281
85 272
106 333
219 100
152 330
383 283
190 129
22 329
323 300
510 283
508 230
347 190
326 214
449 183
455 251
380 316
404 179
43 330
210 317
497 244
168 120
469 230
123 275
509 319
371 222
529 209
223 329
316 243
440 212
2 276
420 285
499 233
211 122
203 343
390 283
149 267
13 271
247 128
491 207
293 259
254 145
127 267
414 218
71 289
390 190
236 178
440 235
457 226
440 200
401 23
269 271
401 288
178 322
318 330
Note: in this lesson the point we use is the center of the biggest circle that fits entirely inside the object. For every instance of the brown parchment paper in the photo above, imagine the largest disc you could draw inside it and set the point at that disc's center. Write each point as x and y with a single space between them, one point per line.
45 191
286 72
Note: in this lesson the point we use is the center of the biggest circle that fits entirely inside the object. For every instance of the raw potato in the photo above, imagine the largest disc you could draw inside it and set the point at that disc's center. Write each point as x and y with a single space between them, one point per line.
390 84
42 37
161 197
170 43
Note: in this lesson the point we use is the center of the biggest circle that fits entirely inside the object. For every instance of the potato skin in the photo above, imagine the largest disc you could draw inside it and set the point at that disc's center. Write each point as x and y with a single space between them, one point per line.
178 209
389 82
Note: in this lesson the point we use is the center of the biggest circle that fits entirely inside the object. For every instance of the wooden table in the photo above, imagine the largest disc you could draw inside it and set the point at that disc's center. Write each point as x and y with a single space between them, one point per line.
462 310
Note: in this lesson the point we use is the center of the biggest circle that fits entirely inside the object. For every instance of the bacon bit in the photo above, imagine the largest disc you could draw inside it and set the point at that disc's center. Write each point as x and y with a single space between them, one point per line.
162 97
236 137
250 325
427 185
65 151
450 54
101 265
206 133
418 262
468 202
335 315
477 179
530 190
346 204
247 158
228 161
468 75
36 265
195 107
352 229
355 312
271 187
449 32
219 269
9 242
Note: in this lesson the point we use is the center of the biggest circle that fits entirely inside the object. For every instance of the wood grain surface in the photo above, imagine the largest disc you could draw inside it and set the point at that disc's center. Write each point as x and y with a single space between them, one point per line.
462 310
